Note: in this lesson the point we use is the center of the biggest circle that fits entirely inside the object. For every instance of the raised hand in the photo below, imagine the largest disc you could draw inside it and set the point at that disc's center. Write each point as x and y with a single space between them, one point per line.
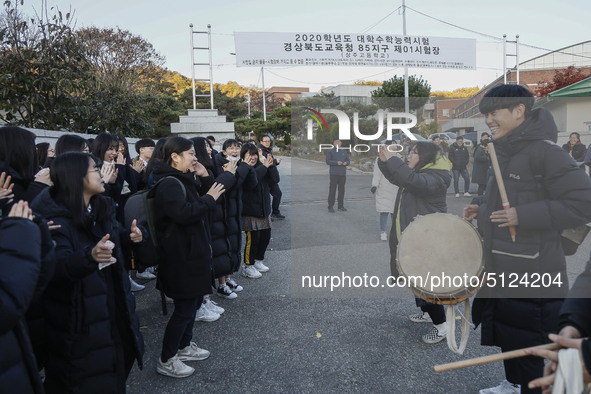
120 158
43 177
21 210
138 166
230 166
135 234
199 169
268 162
109 173
216 190
102 251
6 187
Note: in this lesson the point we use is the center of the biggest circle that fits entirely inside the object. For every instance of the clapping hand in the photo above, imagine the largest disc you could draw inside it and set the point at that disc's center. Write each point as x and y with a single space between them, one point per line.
6 187
21 210
138 166
109 172
135 234
120 158
268 162
43 177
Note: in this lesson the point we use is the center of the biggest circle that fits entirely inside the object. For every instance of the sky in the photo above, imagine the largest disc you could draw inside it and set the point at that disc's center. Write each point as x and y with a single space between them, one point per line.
547 24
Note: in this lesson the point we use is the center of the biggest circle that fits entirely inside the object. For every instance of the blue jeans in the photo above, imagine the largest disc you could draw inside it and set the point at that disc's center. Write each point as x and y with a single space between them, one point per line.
384 220
466 177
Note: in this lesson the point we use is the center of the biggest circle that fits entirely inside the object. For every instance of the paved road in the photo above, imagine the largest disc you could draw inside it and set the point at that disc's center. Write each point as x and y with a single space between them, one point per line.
279 337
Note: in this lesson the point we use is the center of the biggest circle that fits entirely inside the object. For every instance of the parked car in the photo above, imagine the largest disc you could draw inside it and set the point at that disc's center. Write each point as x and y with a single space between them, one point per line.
450 138
396 137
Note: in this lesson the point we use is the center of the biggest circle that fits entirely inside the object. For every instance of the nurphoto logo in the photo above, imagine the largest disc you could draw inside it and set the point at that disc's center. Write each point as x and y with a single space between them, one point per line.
345 128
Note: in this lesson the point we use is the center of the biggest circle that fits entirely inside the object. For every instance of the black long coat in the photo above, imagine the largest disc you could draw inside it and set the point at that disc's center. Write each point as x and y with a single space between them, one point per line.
20 264
245 180
561 200
184 237
84 306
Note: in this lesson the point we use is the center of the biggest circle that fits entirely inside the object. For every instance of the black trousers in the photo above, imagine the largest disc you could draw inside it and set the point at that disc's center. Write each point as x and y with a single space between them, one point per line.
522 370
179 330
436 312
256 245
336 181
275 192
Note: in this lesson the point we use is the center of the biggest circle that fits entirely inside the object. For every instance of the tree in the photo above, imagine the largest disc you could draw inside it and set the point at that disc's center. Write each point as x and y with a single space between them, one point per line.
418 92
134 90
562 78
456 93
44 71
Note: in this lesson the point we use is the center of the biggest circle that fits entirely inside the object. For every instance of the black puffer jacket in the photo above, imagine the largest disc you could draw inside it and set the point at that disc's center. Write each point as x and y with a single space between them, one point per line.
20 264
562 199
257 201
220 244
459 156
84 306
245 180
27 190
184 237
420 193
576 311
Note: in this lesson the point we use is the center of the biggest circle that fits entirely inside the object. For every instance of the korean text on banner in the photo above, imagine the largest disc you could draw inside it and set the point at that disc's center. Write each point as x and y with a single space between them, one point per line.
329 49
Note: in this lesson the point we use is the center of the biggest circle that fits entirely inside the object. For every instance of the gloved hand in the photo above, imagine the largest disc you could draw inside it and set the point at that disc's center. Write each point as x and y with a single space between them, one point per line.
373 189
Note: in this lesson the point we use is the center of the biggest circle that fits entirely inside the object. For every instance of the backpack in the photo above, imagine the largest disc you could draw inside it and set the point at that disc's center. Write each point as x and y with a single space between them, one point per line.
142 207
571 238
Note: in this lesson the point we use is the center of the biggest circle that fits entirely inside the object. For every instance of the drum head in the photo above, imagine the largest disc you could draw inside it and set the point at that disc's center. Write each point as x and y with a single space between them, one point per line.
444 246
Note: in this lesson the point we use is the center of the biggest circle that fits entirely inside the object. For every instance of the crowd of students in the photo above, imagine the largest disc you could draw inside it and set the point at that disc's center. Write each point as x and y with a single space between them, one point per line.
67 249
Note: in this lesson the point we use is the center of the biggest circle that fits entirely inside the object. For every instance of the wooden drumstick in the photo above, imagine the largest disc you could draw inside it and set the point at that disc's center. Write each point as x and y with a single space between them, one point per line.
502 191
493 357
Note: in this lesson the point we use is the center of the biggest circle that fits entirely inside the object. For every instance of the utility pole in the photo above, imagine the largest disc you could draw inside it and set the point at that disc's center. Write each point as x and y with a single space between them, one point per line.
406 98
248 101
264 97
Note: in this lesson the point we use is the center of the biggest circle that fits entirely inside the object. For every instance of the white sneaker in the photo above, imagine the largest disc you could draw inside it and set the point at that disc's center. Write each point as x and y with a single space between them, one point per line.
250 272
434 336
212 306
135 286
204 314
467 194
457 194
384 236
147 275
174 368
421 317
504 388
192 353
260 266
235 287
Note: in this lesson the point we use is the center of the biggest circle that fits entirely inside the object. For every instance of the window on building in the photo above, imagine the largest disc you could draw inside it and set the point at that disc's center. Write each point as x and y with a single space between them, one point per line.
445 113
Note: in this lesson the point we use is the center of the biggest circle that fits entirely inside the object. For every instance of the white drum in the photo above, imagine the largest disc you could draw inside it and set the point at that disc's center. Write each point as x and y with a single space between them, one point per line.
436 247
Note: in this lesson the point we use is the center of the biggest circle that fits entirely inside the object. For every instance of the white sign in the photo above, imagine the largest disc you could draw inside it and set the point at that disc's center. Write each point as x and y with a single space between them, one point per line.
327 49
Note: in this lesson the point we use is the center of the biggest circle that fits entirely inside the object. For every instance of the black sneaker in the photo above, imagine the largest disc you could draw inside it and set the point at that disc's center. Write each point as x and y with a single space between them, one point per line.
277 216
343 209
225 292
331 209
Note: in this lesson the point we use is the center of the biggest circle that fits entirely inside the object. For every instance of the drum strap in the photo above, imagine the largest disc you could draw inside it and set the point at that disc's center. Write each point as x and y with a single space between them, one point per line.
451 328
